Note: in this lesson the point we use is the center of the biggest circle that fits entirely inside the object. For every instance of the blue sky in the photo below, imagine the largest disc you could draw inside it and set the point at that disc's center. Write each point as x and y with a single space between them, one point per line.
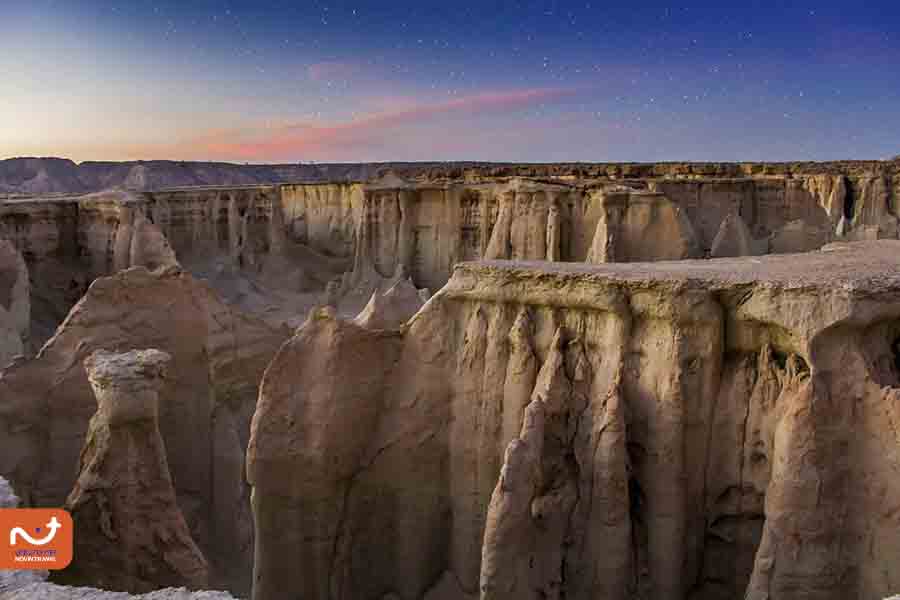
285 81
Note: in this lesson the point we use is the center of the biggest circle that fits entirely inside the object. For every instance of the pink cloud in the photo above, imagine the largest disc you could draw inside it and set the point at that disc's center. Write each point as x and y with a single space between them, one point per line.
329 140
328 70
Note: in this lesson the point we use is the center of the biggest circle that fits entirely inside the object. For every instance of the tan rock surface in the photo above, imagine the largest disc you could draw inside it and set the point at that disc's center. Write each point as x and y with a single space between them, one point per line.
272 249
428 223
641 226
695 429
310 435
734 239
389 310
131 535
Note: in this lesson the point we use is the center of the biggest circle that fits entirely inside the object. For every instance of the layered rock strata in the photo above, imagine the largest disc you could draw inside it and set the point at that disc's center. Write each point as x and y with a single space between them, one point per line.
273 249
699 429
131 535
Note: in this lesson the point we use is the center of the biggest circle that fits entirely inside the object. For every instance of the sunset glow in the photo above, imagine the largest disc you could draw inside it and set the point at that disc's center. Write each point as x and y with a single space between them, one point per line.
527 81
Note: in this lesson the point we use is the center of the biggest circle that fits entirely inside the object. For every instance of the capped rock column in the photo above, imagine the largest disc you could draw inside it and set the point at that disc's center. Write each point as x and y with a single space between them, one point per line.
130 534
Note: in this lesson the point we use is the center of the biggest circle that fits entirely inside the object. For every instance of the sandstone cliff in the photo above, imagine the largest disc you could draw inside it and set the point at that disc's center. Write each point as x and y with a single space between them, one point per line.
233 238
698 429
273 249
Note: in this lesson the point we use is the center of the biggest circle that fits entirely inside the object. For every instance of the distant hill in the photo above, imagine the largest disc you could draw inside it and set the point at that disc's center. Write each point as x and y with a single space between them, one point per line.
41 176
30 176
58 175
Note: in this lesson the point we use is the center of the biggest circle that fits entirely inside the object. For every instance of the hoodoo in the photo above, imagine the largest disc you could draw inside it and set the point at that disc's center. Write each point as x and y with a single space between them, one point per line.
131 534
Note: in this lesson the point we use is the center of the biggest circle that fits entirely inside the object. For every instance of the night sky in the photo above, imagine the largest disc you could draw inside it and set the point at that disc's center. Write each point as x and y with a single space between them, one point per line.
270 81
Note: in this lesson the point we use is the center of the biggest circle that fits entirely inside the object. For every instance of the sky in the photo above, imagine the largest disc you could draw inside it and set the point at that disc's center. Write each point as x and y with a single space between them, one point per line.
278 81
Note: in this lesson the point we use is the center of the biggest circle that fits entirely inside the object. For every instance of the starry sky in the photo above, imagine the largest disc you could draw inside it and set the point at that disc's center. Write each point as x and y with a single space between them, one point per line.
299 81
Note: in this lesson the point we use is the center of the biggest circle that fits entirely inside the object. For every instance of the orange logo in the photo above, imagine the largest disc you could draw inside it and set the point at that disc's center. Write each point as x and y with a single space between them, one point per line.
35 538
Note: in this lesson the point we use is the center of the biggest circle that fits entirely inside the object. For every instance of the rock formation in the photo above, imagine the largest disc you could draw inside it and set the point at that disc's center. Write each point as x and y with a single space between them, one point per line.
272 249
20 176
702 429
131 535
537 429
218 357
734 239
309 440
641 226
389 310
15 304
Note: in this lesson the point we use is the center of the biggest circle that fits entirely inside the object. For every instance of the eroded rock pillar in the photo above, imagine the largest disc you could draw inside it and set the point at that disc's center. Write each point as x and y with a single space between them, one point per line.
130 534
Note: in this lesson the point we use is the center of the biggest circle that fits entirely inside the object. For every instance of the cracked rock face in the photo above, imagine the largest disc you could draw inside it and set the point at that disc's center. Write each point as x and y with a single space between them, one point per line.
697 430
131 534
309 446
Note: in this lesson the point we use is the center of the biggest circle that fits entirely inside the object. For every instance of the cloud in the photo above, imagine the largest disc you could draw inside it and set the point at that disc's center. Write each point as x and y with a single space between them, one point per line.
313 139
330 70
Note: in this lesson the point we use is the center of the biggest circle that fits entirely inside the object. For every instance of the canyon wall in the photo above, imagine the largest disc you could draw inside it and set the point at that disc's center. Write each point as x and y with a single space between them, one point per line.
233 238
297 237
425 228
698 429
